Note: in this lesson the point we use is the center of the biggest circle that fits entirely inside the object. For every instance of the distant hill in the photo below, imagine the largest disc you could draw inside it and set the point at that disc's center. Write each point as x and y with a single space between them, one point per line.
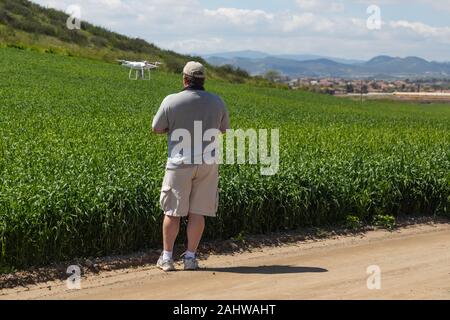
246 54
381 66
306 57
24 24
407 66
249 54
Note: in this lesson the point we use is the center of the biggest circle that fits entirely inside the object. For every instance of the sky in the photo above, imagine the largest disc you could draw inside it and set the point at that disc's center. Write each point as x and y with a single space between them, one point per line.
354 29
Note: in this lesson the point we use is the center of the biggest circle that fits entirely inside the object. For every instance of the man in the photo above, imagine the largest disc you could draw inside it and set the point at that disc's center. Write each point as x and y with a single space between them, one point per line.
190 186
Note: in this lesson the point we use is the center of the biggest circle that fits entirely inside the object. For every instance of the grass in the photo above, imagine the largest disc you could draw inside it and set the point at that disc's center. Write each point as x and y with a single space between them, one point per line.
80 171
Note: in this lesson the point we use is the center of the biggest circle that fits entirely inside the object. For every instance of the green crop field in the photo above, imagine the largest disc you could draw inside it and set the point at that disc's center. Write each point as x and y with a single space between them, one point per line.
80 171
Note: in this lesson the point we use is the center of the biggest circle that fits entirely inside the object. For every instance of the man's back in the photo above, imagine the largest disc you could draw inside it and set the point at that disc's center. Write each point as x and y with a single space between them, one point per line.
193 111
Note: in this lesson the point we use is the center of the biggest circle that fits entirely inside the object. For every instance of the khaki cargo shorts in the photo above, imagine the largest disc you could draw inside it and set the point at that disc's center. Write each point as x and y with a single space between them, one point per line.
192 189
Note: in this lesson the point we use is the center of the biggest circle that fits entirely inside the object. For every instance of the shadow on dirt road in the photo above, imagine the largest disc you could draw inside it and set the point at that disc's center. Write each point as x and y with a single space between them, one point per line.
267 270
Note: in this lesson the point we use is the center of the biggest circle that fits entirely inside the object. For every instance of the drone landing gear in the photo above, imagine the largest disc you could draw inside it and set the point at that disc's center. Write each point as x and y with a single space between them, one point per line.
139 74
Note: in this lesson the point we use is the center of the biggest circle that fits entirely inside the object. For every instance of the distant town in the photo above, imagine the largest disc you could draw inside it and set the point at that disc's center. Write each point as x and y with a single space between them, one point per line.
335 86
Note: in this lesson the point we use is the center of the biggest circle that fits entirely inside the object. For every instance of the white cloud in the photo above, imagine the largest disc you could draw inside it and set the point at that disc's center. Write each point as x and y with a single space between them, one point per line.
321 5
309 21
423 30
240 17
111 3
195 45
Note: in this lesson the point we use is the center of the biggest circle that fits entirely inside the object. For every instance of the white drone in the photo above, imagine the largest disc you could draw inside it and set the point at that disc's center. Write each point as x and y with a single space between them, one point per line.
139 68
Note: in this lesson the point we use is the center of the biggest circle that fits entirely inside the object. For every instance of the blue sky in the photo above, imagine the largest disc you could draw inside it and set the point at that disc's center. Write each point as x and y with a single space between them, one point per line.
325 27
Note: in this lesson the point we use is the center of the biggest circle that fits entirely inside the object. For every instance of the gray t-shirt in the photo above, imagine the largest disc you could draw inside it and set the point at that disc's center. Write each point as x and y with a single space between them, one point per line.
190 114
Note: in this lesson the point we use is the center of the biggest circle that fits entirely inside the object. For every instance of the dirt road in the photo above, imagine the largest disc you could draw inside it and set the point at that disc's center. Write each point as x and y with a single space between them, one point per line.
414 264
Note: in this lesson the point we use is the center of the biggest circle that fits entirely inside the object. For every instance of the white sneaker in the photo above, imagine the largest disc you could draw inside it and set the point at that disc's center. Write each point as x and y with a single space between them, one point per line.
166 265
190 264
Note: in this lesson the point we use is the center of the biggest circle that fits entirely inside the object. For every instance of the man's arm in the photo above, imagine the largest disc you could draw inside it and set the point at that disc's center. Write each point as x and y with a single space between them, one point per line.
225 123
160 123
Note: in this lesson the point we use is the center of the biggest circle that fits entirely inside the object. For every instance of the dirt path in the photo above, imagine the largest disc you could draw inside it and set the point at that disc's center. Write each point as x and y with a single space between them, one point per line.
414 263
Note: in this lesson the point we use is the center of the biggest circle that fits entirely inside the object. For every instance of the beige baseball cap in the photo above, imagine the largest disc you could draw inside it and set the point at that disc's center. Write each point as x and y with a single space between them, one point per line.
195 70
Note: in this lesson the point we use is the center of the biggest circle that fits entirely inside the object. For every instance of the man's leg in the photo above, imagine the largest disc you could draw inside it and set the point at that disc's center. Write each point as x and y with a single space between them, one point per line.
171 227
174 201
203 199
195 228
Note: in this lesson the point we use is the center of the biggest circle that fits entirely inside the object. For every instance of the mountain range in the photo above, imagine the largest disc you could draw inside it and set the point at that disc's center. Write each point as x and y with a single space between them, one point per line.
381 67
251 54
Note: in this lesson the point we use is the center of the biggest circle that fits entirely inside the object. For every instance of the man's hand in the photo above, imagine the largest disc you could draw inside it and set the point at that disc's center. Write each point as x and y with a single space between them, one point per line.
160 131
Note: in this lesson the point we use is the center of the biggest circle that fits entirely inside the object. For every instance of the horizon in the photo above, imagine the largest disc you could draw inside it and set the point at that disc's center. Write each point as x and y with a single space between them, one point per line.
348 29
310 54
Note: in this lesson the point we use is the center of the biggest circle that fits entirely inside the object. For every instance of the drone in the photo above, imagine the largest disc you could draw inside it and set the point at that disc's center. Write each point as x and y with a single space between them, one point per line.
139 67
